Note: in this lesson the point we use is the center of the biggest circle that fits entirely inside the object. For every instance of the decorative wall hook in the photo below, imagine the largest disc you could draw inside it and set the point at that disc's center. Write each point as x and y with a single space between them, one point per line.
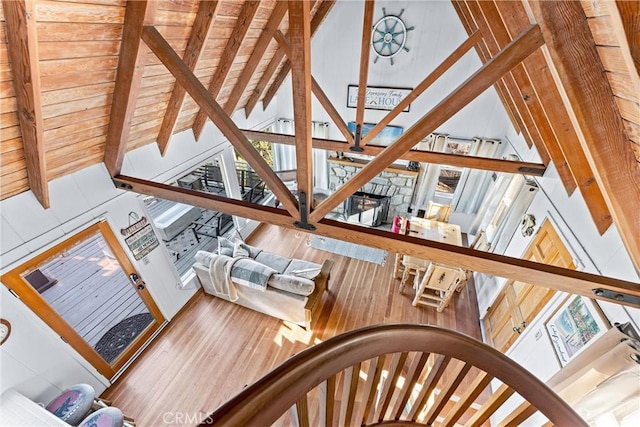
527 225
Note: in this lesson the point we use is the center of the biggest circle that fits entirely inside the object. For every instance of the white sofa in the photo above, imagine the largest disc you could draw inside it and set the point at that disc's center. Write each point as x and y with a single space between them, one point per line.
302 310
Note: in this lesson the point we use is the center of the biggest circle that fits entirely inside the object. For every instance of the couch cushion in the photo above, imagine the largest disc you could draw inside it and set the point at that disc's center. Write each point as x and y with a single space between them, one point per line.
293 284
204 257
225 246
240 248
301 268
277 262
253 251
247 272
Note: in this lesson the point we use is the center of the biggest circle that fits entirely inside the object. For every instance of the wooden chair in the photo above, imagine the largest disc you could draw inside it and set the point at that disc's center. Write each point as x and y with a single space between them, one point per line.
438 286
438 211
398 268
481 243
412 266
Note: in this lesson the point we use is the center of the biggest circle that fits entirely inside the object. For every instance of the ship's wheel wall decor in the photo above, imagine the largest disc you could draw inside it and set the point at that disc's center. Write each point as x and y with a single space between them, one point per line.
389 36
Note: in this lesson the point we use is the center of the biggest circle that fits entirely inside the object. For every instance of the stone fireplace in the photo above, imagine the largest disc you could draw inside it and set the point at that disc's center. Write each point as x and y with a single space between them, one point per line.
395 183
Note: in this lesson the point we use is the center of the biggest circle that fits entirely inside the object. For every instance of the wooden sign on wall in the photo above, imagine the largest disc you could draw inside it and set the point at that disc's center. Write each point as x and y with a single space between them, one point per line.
378 98
140 238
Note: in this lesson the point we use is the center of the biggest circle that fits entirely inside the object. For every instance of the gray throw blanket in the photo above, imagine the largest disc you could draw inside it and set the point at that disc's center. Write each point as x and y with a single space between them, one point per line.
226 273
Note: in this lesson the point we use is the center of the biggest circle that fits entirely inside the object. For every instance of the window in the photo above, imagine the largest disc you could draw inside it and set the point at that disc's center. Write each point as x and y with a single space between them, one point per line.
447 183
449 177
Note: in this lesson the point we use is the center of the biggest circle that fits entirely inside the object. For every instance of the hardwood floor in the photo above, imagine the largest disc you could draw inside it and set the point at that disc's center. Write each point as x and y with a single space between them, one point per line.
213 348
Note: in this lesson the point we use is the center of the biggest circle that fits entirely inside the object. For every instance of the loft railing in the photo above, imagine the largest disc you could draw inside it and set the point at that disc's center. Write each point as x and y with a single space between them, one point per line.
395 374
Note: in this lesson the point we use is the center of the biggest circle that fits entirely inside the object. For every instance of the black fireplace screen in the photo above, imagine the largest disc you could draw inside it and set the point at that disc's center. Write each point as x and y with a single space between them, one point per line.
371 209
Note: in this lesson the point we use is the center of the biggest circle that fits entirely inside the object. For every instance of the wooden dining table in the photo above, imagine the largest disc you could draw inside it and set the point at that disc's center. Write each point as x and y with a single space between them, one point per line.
428 229
437 231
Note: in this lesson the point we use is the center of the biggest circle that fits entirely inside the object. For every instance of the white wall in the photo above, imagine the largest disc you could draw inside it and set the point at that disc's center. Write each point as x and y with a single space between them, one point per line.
335 63
599 254
594 253
34 360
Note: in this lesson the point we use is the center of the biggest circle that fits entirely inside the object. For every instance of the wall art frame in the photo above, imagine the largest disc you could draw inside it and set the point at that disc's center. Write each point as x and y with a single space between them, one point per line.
574 325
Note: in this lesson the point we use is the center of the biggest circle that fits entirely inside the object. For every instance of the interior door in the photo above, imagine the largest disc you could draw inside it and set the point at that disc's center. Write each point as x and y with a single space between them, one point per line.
87 290
519 303
500 321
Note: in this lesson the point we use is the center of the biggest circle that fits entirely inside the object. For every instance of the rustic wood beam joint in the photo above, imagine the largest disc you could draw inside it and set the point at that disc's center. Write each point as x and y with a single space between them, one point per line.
473 162
214 111
318 92
487 75
458 53
256 56
549 276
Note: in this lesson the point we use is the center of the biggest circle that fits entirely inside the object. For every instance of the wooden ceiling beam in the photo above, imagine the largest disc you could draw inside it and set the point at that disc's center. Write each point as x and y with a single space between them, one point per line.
458 53
318 92
470 26
481 80
576 67
365 50
520 87
199 34
300 59
128 78
256 56
263 82
473 162
529 127
537 84
231 49
317 19
331 111
22 35
268 73
549 276
628 17
214 111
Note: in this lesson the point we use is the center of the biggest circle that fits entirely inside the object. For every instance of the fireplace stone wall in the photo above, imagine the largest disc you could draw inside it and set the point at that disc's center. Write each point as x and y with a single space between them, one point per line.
394 182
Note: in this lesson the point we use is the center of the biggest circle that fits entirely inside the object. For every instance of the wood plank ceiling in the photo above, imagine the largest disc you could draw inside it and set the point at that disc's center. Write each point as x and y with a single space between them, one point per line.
103 77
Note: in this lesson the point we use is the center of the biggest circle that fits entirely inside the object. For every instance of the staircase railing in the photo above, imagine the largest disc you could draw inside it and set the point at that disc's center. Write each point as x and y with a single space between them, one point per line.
395 374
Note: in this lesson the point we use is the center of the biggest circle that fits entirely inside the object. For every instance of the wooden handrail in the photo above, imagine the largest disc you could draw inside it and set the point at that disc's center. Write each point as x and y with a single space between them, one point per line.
271 396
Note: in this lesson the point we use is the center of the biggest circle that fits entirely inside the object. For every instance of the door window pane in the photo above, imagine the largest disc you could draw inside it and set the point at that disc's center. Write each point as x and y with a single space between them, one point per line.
87 287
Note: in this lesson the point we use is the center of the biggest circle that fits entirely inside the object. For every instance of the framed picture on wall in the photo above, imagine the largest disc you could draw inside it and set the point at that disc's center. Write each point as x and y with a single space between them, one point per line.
575 325
385 137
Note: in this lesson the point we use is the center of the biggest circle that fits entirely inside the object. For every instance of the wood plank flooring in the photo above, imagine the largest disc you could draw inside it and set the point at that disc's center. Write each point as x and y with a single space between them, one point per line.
213 348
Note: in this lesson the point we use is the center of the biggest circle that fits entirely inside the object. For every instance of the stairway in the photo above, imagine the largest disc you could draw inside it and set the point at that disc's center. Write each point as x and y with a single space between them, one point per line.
394 374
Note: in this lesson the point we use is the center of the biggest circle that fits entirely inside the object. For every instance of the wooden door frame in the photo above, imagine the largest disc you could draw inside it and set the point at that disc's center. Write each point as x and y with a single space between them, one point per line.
16 283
